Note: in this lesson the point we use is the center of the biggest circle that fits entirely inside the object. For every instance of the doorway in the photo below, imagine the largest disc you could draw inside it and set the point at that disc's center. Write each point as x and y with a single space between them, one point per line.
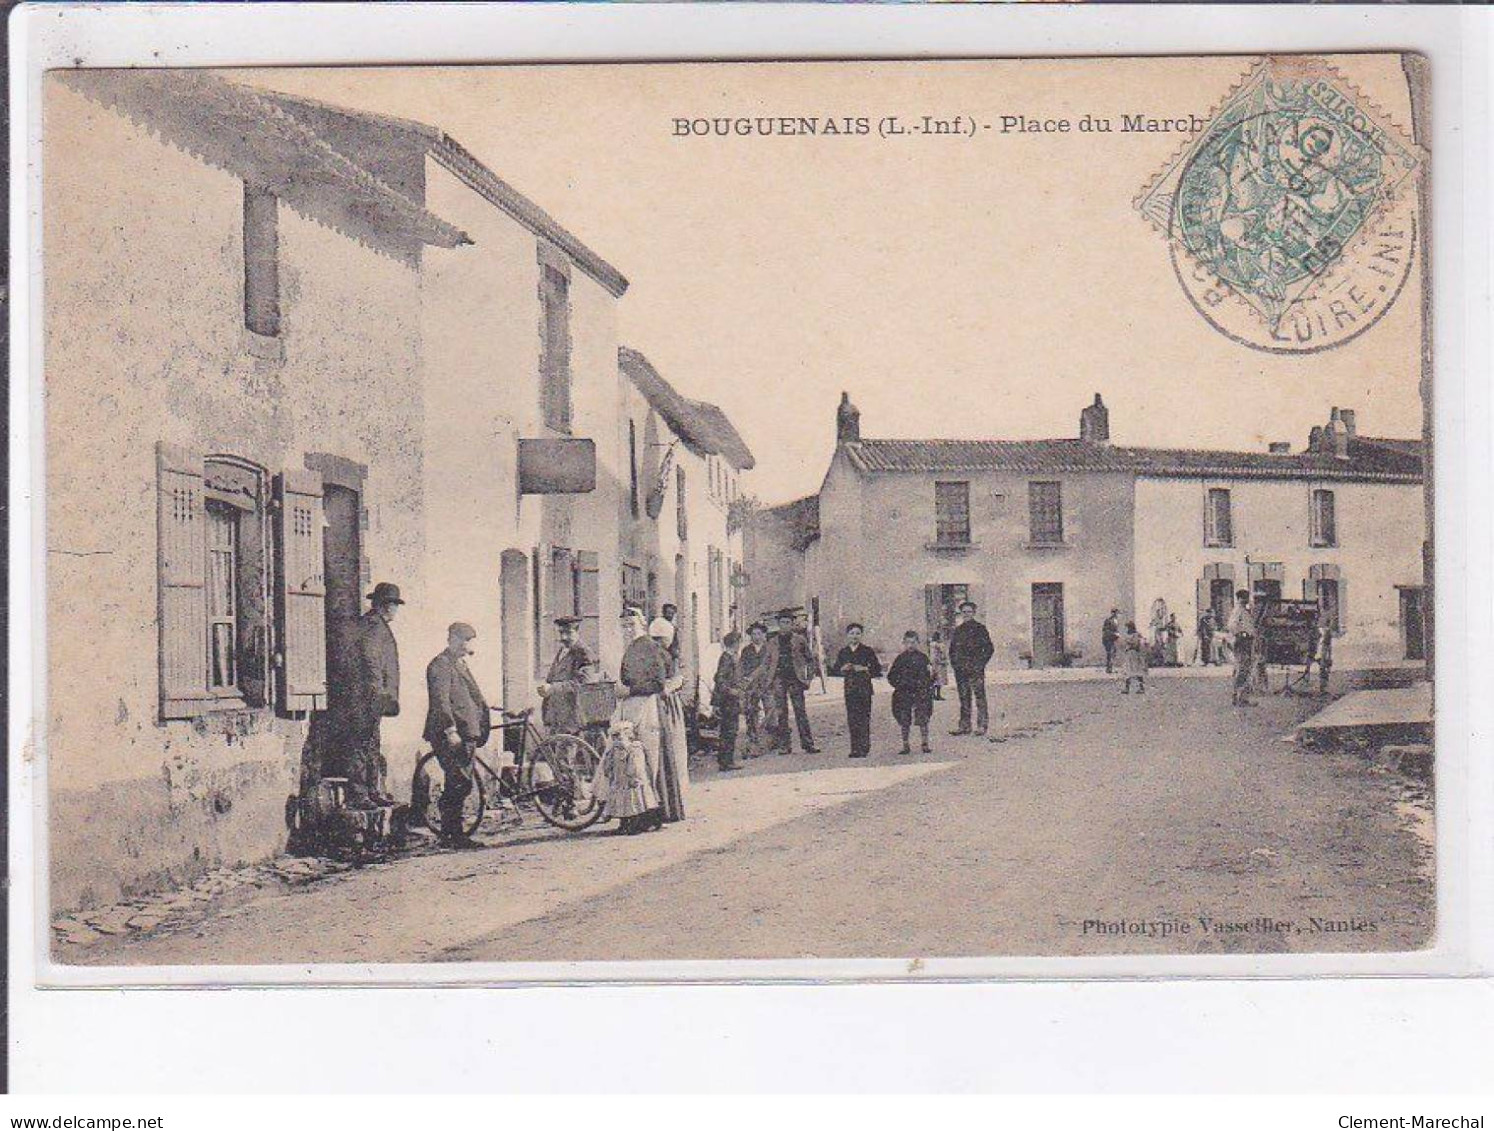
1413 623
1221 598
513 587
1047 625
342 558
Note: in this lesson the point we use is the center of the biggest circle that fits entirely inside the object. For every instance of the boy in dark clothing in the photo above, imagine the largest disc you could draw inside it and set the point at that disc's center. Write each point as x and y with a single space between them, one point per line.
857 665
726 698
912 680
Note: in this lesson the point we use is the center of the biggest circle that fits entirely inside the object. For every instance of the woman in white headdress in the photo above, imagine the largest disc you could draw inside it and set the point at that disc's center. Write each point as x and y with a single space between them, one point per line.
644 671
674 780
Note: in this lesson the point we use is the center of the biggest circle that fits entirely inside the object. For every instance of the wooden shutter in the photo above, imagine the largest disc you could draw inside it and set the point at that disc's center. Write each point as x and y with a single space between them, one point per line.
181 566
589 602
300 591
1309 588
1343 606
1202 598
933 610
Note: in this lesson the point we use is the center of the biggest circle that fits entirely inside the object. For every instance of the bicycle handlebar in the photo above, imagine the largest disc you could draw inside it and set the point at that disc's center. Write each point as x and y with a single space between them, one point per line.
512 716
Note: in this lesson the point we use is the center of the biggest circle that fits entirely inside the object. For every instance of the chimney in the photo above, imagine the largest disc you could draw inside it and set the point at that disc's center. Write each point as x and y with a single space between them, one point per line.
1347 416
1280 447
1336 435
1315 438
1094 423
847 421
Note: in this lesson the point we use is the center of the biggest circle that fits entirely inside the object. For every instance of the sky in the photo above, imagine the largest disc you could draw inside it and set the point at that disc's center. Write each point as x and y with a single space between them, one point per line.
964 287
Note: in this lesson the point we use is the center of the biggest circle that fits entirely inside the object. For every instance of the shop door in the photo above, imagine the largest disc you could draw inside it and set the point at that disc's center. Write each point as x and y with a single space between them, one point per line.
1047 625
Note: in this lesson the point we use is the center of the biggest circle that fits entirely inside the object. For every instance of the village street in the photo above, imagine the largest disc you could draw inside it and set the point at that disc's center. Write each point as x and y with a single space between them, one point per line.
1082 805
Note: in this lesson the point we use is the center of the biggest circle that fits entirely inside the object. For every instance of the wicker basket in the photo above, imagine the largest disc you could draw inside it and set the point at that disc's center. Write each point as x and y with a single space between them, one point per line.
595 702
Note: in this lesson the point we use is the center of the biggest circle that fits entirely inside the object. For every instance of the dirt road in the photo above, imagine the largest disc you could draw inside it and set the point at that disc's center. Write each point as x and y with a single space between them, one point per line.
1089 823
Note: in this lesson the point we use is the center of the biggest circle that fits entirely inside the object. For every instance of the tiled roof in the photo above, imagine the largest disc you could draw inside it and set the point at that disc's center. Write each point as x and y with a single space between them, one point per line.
337 121
251 134
1369 460
348 169
703 426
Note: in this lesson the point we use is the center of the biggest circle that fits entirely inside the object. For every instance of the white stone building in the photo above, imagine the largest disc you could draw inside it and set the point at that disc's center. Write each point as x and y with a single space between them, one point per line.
679 545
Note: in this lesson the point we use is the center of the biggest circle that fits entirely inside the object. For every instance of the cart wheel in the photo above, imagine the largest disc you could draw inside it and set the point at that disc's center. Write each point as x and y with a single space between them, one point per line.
560 776
430 781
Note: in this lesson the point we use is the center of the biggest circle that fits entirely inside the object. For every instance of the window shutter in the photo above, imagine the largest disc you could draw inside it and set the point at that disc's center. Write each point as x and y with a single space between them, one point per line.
300 591
589 600
181 566
1309 588
1202 599
1343 606
933 610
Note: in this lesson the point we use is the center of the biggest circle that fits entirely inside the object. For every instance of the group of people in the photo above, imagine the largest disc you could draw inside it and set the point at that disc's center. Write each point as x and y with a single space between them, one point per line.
762 683
1235 640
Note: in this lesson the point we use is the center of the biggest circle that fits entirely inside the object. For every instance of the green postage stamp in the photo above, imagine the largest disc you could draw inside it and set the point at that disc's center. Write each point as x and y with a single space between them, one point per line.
1291 216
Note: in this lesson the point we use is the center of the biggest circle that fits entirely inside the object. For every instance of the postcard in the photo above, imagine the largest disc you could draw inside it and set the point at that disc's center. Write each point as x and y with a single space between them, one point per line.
649 513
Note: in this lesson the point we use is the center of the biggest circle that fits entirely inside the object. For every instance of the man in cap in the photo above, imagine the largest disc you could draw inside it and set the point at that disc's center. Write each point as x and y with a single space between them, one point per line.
671 613
790 669
753 674
571 665
375 696
457 722
970 650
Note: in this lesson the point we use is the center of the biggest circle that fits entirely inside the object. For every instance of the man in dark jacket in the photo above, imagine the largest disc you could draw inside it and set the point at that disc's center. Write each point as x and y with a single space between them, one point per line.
970 650
1110 633
457 722
726 698
790 668
753 676
375 696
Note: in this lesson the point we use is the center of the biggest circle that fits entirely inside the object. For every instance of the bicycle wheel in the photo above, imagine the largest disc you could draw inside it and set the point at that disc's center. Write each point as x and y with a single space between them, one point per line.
559 776
426 790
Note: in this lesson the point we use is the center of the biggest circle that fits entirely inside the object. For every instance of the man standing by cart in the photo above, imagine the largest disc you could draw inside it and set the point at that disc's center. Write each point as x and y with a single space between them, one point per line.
457 722
1241 628
571 666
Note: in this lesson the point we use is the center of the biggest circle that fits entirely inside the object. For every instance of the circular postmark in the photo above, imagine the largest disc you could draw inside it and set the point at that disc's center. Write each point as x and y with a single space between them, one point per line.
1360 292
1291 219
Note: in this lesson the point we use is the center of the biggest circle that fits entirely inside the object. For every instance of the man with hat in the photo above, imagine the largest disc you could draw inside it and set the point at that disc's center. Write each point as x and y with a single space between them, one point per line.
571 666
375 695
790 669
970 650
457 722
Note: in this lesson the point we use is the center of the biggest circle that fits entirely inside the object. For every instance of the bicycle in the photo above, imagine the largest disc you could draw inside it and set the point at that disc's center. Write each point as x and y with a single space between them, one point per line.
555 774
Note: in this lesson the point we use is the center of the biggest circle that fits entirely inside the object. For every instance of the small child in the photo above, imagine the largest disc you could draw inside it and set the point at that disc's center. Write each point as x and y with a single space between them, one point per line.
912 680
939 657
1134 660
622 782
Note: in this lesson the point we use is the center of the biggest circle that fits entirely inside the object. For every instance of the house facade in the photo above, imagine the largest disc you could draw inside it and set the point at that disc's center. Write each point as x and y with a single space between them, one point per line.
291 350
681 545
1047 536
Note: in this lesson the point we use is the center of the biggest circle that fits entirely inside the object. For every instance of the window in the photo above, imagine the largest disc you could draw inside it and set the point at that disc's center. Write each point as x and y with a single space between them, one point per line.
681 519
633 468
261 261
715 587
236 588
634 588
555 347
1218 522
1324 526
1045 514
222 598
952 514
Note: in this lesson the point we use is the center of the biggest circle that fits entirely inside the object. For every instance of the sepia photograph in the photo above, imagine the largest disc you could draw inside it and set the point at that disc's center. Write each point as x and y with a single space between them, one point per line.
737 512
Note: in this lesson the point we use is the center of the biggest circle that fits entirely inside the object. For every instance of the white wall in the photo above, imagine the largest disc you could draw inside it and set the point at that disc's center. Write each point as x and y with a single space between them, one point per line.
1379 547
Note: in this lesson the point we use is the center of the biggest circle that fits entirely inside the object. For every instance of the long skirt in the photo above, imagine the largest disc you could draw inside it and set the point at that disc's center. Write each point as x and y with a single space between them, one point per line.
674 777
